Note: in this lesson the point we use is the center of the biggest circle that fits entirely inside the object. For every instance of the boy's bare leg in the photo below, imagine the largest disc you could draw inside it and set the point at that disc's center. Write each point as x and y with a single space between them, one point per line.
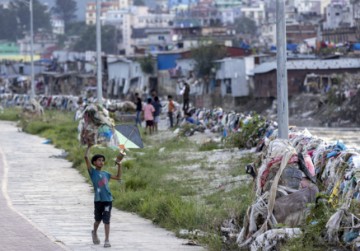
94 233
96 226
107 231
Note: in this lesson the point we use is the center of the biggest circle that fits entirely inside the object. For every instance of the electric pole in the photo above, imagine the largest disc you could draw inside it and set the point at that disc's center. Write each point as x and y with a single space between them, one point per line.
282 83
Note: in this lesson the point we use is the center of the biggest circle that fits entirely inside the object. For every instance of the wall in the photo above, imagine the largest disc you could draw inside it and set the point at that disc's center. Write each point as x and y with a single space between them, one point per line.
265 84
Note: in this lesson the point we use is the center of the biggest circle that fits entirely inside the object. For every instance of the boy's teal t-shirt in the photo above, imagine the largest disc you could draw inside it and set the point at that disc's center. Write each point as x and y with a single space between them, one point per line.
100 180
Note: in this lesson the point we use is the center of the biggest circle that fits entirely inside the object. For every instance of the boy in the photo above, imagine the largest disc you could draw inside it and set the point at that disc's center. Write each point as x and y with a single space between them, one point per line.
103 198
171 110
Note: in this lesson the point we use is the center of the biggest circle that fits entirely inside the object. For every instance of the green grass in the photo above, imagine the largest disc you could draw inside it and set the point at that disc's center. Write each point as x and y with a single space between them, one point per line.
10 114
154 184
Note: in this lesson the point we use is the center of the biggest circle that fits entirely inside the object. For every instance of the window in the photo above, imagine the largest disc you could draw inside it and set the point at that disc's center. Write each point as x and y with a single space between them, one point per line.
228 86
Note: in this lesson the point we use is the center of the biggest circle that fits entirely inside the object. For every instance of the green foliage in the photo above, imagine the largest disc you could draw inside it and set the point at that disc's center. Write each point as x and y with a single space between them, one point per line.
249 134
139 3
205 55
11 114
209 146
313 229
8 25
20 11
109 39
245 25
147 64
65 9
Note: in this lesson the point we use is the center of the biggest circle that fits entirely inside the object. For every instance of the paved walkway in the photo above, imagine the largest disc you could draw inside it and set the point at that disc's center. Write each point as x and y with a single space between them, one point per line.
46 205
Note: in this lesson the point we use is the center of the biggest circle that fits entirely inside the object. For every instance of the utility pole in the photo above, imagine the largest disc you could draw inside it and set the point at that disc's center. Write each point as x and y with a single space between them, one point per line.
98 52
281 72
32 93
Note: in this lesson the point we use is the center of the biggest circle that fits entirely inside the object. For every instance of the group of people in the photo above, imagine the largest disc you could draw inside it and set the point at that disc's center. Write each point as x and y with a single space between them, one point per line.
150 112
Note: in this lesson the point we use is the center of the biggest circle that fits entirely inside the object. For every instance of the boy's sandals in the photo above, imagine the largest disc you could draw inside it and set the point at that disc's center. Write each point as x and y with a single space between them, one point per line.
107 244
95 238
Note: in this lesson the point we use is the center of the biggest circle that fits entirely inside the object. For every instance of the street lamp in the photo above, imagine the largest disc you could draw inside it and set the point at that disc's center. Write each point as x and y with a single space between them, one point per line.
32 94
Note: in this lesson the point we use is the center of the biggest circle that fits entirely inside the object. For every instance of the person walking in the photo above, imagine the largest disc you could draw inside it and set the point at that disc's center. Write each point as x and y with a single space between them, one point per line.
186 97
139 109
148 115
171 110
102 194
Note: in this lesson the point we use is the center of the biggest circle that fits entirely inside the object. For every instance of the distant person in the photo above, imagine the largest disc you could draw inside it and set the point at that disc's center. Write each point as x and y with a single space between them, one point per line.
148 116
139 109
157 106
186 97
171 110
102 194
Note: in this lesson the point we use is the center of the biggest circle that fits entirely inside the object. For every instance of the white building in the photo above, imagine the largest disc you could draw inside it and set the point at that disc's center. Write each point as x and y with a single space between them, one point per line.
124 76
232 76
58 26
256 13
308 6
135 18
338 15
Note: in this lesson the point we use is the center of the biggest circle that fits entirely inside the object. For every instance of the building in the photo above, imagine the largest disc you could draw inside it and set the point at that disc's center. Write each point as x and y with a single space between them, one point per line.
265 85
338 15
124 76
90 15
58 26
256 13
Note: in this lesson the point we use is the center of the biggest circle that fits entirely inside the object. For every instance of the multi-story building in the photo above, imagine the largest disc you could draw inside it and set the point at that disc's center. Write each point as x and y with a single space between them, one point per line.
90 16
256 13
338 15
58 26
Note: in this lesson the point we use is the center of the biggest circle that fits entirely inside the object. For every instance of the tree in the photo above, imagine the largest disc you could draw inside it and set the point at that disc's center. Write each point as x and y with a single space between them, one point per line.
147 64
245 25
21 11
109 39
66 10
8 25
139 3
204 56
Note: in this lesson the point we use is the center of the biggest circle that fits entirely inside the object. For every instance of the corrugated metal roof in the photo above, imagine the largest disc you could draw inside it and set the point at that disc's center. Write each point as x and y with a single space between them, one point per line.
348 63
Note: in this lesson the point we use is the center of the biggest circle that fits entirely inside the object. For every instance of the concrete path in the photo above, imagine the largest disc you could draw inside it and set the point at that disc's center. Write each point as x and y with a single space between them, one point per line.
47 205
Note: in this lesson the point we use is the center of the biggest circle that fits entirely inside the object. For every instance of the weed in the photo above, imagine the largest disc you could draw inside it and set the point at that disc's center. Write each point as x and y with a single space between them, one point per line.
10 114
209 146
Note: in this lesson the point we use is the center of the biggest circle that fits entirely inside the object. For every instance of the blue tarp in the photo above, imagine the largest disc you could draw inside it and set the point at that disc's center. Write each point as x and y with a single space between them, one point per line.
355 47
289 47
244 46
167 61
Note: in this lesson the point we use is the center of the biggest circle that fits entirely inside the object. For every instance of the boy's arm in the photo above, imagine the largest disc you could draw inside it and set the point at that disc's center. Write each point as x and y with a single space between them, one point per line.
119 172
87 161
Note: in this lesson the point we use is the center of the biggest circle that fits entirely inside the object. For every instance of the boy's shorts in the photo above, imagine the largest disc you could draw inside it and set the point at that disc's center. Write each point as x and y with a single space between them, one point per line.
149 122
102 211
156 119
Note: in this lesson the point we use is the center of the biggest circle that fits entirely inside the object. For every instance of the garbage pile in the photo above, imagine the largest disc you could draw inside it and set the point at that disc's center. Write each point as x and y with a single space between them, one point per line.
96 127
292 174
33 108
